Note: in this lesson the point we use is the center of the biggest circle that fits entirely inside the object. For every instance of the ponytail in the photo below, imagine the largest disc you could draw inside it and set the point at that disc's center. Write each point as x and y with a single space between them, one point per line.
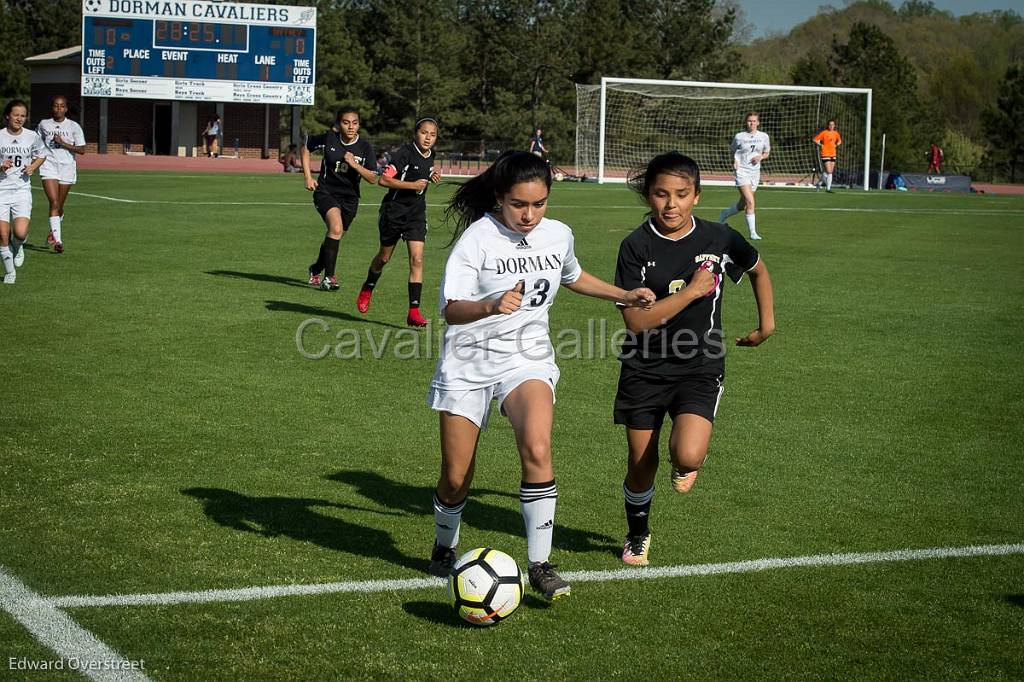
479 195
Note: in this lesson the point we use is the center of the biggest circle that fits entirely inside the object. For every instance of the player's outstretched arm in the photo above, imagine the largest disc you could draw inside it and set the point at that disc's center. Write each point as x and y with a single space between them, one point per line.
589 285
765 297
639 320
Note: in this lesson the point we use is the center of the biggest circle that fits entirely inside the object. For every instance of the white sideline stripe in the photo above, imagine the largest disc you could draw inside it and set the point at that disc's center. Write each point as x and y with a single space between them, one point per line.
57 631
368 586
637 206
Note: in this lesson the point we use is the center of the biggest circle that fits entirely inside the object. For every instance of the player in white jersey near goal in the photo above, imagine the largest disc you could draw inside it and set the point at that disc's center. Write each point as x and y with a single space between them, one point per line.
500 280
21 153
750 148
64 139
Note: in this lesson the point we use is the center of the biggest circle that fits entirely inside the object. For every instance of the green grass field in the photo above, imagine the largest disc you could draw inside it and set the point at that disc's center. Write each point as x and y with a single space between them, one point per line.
161 432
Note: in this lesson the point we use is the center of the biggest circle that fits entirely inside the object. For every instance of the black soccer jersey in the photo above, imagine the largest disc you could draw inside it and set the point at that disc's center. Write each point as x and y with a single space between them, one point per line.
409 166
336 177
692 340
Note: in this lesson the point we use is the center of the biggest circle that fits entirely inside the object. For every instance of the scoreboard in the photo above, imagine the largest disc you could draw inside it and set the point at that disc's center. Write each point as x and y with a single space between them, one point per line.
198 51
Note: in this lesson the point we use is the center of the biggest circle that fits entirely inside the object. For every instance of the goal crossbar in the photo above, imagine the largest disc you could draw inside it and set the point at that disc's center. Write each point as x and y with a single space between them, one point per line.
661 89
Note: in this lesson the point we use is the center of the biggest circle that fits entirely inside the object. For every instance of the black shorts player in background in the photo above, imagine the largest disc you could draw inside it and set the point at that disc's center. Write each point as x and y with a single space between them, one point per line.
673 361
403 215
347 159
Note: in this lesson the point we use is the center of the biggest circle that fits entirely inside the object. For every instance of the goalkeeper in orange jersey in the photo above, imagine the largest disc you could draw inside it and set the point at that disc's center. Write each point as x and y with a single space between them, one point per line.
828 140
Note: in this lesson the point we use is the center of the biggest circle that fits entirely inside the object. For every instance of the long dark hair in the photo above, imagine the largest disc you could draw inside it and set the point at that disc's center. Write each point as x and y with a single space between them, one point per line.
479 195
670 163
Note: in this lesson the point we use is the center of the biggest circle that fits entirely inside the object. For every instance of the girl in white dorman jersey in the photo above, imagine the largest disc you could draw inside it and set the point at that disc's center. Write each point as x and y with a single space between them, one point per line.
64 140
21 153
750 148
500 280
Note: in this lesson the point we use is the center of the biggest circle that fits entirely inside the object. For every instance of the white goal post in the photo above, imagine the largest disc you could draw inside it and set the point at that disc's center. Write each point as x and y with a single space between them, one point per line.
624 122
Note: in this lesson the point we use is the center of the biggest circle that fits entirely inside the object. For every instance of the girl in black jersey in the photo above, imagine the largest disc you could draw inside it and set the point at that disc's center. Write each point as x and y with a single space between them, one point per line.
403 215
348 158
673 361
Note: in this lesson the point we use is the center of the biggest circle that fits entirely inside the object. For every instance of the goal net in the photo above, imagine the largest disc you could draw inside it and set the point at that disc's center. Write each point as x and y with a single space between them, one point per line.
624 122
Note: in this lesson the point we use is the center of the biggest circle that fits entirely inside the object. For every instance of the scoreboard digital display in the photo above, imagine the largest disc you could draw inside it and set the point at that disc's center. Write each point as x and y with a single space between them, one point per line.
198 51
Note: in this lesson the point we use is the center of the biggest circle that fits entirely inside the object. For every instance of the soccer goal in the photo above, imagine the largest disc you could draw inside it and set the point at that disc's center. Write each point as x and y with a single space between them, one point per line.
624 122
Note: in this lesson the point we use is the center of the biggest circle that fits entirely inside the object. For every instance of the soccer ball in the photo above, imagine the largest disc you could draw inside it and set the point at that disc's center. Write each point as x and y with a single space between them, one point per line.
559 176
485 586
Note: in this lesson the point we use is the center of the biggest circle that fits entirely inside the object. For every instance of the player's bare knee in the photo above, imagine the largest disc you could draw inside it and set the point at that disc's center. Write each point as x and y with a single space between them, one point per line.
536 453
452 489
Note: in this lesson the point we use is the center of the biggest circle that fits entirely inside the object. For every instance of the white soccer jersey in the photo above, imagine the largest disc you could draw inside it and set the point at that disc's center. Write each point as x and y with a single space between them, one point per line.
747 145
488 260
70 131
21 149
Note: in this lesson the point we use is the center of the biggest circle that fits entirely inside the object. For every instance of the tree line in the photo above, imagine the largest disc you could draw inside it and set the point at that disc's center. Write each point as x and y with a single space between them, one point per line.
491 70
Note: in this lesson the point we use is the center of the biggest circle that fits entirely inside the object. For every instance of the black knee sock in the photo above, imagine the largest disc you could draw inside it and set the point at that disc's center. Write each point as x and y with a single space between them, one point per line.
330 255
318 267
638 510
371 278
415 291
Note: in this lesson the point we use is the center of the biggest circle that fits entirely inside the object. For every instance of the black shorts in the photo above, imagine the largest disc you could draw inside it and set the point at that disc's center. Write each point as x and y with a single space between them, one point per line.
643 400
395 224
827 159
325 201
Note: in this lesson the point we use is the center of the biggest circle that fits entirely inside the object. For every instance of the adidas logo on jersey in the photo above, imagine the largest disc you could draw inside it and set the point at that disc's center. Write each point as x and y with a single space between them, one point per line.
523 244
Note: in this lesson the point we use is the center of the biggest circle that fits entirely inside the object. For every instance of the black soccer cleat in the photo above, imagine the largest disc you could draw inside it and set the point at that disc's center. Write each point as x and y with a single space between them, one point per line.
441 561
544 579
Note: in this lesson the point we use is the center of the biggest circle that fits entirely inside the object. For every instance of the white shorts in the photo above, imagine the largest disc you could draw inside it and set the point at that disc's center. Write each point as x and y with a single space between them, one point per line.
64 173
15 205
475 404
745 176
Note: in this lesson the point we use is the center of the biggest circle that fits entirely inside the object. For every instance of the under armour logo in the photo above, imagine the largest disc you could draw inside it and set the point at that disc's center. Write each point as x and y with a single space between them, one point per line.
547 524
651 263
523 244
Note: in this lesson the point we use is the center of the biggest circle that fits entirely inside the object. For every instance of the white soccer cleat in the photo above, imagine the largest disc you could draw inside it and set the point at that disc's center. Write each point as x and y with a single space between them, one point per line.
9 278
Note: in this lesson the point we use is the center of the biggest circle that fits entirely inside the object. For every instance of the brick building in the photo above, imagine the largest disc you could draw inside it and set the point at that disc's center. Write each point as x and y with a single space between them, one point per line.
116 125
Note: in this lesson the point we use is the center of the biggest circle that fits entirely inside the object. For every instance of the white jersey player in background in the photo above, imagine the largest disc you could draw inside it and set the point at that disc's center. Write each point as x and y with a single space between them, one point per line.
749 148
21 153
64 139
500 280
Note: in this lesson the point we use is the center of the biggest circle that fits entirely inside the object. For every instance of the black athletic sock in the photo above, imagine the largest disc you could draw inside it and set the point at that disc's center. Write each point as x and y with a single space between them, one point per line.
330 255
638 510
371 278
415 291
318 267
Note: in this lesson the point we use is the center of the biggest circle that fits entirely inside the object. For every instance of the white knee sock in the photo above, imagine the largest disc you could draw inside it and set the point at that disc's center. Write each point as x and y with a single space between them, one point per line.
537 501
447 521
8 259
55 227
828 181
726 212
751 224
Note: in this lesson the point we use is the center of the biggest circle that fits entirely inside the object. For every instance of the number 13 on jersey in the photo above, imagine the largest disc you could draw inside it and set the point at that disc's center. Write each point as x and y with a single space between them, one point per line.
538 294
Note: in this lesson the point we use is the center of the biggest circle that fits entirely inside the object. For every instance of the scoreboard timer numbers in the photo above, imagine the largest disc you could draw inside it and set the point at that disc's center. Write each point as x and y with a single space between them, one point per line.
195 50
